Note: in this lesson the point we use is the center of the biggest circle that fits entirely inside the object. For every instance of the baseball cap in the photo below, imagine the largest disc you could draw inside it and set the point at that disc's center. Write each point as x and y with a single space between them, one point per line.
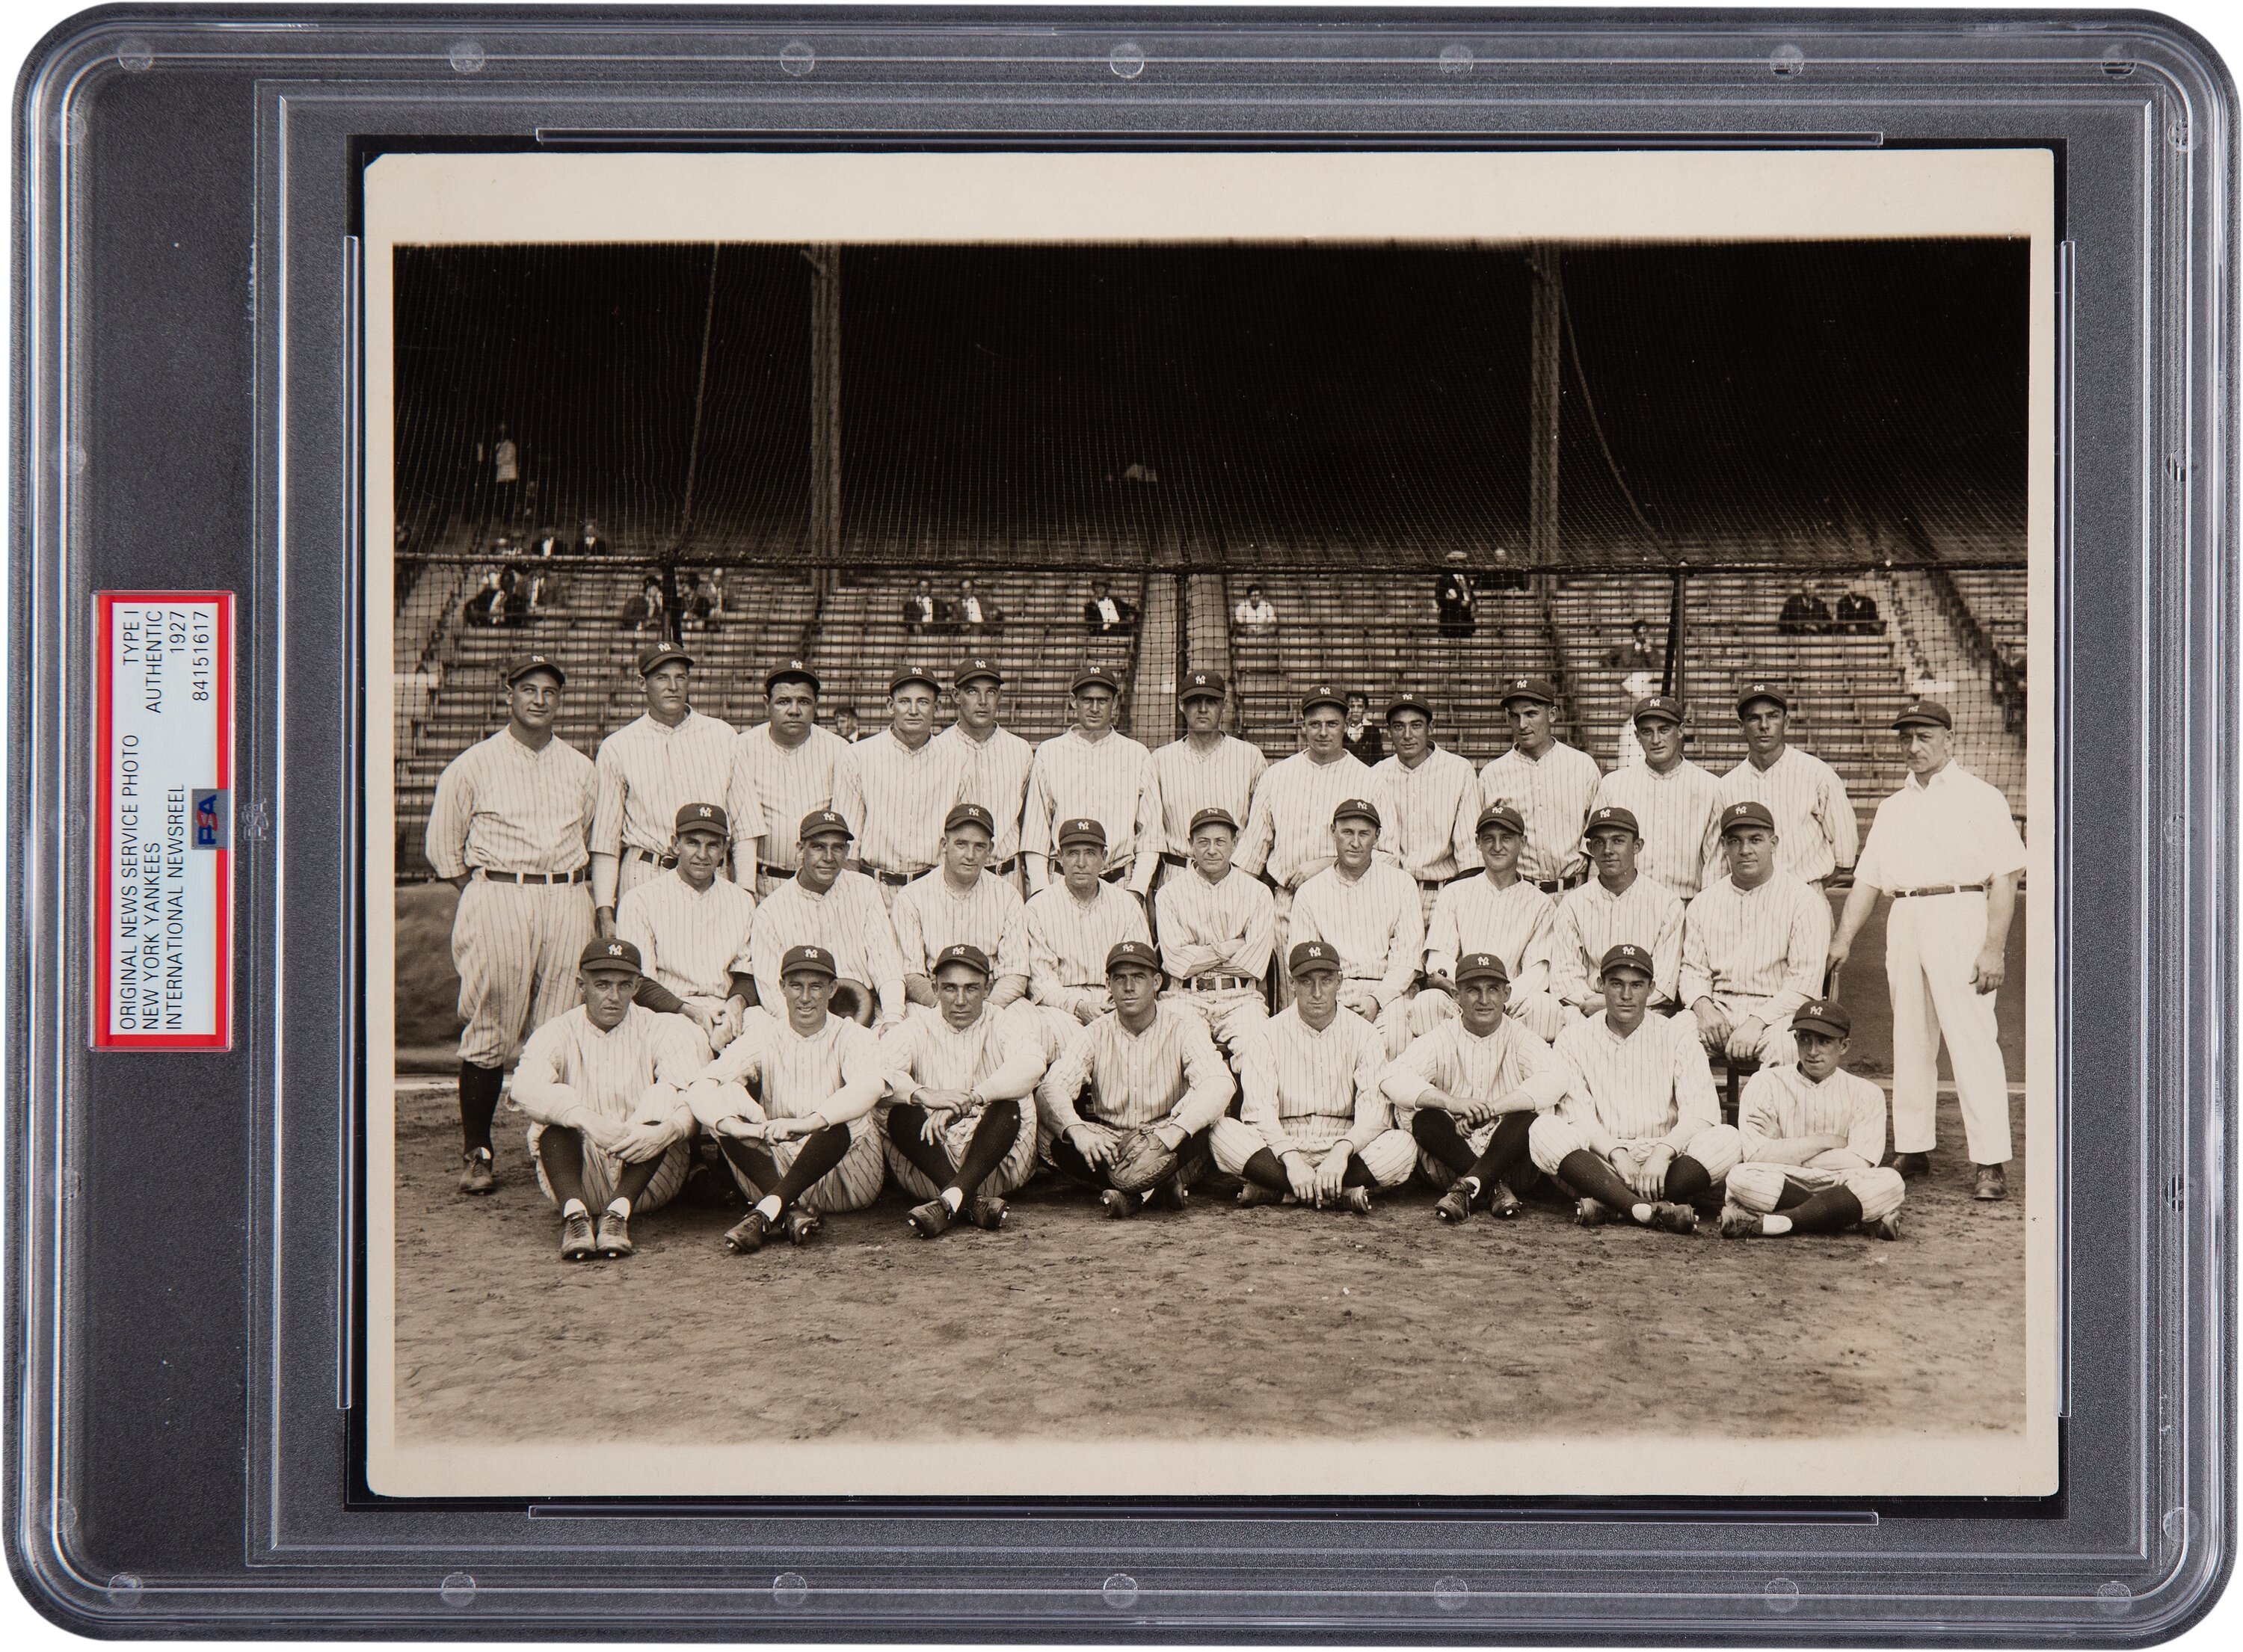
707 816
1501 815
1081 831
522 664
1657 705
822 820
1481 966
1322 693
1212 817
967 953
974 670
969 815
1137 952
1760 689
1611 815
1094 676
652 659
1822 1014
1745 814
1201 685
608 955
786 669
1312 956
1626 956
1530 688
1406 701
913 674
1356 809
814 959
1924 713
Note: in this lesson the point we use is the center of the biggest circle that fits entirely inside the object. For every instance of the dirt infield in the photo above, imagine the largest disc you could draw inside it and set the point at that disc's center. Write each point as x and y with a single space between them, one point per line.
1272 1323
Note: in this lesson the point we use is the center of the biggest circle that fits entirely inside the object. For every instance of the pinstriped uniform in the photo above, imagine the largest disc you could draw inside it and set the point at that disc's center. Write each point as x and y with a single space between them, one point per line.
1513 921
1170 1073
997 778
1436 816
1552 794
1375 923
1111 781
501 807
1224 927
1815 826
929 914
999 1055
1222 777
894 799
648 771
1069 940
836 1074
690 941
1781 1104
1591 920
1306 1089
1757 952
1289 826
1452 1060
1652 1086
1679 812
770 789
637 1071
848 921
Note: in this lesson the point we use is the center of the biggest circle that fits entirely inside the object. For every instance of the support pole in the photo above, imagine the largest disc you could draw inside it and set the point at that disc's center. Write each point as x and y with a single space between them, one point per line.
1548 335
825 408
700 401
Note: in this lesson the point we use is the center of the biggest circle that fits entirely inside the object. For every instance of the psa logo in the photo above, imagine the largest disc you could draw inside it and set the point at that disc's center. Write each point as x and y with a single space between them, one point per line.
214 819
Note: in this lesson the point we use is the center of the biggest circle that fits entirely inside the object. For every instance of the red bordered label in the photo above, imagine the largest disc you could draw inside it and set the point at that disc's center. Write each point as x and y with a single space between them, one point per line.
163 820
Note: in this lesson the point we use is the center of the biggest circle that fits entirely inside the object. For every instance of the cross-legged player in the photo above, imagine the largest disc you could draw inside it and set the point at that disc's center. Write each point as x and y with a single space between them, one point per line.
1813 1135
690 927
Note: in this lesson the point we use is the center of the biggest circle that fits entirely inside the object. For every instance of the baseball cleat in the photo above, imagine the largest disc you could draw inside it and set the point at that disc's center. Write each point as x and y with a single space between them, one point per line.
1674 1219
1119 1204
1505 1206
1589 1212
475 1176
747 1235
577 1244
988 1213
1990 1183
1737 1222
1251 1193
801 1226
932 1220
1911 1165
615 1234
1172 1194
1885 1227
1455 1206
1356 1199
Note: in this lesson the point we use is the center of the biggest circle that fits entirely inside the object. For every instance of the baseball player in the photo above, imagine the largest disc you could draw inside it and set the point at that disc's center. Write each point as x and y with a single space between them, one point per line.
603 1086
1206 769
1946 850
507 830
896 788
1367 910
1073 926
692 930
1813 1137
961 1125
1469 1093
1676 803
1092 773
961 900
1753 944
808 1144
649 769
1640 1128
1313 1125
996 762
1814 816
1217 926
1498 912
782 770
1155 1084
1619 904
827 905
1548 781
1435 798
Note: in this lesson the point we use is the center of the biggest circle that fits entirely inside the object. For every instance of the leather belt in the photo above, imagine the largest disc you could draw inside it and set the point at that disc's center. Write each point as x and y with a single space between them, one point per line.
897 879
1940 889
1113 876
1216 983
665 861
1558 885
1006 868
577 876
1167 859
765 869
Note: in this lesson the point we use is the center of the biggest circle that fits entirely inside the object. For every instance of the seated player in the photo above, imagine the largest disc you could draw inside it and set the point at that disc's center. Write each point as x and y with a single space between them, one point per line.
1072 927
808 1145
827 906
1754 945
1217 926
960 903
1498 912
1368 910
601 1084
690 927
1813 1135
1641 1129
1618 905
1156 1083
1469 1093
960 1127
1313 1125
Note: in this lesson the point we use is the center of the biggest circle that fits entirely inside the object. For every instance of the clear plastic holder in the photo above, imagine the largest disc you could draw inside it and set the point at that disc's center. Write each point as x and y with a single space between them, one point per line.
175 159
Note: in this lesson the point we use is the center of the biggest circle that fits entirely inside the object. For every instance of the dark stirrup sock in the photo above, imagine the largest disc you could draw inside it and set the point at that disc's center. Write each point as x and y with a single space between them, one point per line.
479 1094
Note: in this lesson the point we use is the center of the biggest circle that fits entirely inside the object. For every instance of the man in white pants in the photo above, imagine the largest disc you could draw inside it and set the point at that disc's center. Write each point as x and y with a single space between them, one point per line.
1812 1135
1946 850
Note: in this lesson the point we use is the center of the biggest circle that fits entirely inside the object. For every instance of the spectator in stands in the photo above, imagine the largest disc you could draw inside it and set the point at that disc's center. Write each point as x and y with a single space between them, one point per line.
1635 653
924 610
1804 614
975 614
1503 576
694 603
644 612
539 589
1106 614
490 604
547 543
506 476
1452 596
588 543
1360 734
844 725
1254 615
1858 615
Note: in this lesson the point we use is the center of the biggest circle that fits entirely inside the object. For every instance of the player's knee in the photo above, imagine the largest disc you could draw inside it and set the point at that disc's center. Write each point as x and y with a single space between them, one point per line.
1756 1187
1233 1142
1550 1140
1878 1191
1719 1148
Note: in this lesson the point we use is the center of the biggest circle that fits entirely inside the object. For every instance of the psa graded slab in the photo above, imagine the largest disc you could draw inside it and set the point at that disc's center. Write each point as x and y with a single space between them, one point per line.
1171 824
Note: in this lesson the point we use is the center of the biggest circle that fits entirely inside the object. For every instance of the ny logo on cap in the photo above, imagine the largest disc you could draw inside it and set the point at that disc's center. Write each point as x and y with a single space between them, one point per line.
704 810
1316 949
1604 814
812 952
614 949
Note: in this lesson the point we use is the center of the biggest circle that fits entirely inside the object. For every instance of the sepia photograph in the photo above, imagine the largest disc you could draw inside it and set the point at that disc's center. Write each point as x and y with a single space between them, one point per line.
1198 826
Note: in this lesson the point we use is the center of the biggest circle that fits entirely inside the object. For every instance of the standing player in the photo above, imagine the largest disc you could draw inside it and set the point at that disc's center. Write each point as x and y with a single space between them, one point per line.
1676 803
1217 926
603 1086
1548 781
1946 850
828 907
782 770
1092 773
1802 793
507 830
1641 1129
896 788
961 1131
649 769
692 930
1498 912
1813 1136
810 1139
1313 1124
1367 910
1619 904
1206 769
1754 945
1435 798
996 762
1469 1093
961 901
1072 927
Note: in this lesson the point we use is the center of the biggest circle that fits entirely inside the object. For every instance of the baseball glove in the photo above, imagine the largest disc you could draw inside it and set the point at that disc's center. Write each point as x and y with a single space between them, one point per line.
1141 1161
